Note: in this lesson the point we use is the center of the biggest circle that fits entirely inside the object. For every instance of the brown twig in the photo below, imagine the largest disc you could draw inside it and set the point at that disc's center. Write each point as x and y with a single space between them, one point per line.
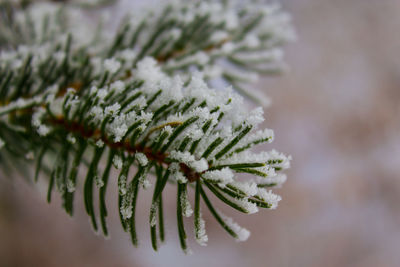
159 157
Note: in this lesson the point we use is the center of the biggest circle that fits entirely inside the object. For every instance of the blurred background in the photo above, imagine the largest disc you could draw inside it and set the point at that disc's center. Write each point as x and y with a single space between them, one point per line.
337 112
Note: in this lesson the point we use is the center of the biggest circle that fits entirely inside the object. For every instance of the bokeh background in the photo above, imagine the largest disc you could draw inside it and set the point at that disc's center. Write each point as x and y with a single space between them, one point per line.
337 112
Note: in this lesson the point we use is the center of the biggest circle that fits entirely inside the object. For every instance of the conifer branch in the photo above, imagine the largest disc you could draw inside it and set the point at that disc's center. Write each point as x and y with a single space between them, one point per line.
68 101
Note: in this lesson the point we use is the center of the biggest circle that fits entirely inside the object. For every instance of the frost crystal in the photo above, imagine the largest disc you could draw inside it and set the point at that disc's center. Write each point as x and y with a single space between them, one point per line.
112 65
269 197
189 159
99 181
126 207
223 176
99 143
176 33
43 130
113 109
148 71
142 159
71 139
266 135
118 128
200 232
251 41
242 233
186 207
102 93
122 185
145 182
248 188
274 181
176 173
248 206
153 217
256 116
126 212
70 186
117 162
128 54
118 86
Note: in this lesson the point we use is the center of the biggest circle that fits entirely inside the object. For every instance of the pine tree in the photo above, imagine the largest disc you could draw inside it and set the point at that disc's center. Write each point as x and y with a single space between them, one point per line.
76 96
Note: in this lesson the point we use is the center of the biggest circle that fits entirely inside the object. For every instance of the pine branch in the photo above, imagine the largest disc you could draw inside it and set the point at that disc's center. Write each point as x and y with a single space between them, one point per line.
222 39
66 102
